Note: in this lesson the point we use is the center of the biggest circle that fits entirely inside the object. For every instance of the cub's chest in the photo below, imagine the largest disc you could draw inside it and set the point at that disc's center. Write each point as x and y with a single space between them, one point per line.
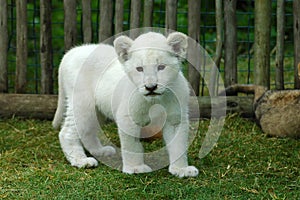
156 111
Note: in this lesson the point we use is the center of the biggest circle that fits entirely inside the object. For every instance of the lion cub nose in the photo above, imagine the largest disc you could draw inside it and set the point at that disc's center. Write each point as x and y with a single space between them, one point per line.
151 87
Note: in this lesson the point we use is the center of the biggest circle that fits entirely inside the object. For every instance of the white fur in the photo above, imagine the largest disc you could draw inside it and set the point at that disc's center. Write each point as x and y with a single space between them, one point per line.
114 80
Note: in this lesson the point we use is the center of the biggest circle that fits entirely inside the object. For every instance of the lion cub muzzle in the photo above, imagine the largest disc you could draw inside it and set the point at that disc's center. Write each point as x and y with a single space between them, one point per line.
151 88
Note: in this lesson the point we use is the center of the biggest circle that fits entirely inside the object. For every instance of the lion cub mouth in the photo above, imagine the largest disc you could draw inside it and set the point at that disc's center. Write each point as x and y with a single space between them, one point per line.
152 94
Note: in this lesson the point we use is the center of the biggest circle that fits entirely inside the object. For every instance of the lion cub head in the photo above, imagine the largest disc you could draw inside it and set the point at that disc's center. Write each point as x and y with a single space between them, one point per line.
152 61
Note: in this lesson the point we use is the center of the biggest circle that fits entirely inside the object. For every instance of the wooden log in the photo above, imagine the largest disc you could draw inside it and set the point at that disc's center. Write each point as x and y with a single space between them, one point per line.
230 42
194 33
87 21
22 37
279 78
135 17
28 106
70 24
262 33
3 46
106 20
119 16
44 106
148 13
171 14
296 15
46 47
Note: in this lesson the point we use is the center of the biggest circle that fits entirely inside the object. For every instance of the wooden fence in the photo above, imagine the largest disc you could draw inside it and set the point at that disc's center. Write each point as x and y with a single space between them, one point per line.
111 18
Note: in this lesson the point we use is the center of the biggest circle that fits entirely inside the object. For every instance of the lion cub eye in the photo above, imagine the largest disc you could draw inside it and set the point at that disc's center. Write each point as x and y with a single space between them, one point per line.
139 69
161 67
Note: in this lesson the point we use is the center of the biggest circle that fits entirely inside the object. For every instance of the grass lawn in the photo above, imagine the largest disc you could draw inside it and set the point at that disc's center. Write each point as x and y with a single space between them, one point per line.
245 164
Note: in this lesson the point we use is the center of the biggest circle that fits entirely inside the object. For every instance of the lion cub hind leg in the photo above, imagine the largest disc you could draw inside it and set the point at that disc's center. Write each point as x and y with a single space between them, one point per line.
73 149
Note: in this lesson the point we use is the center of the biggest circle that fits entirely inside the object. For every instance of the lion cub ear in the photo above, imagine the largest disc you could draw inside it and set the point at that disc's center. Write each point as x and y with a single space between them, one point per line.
122 45
178 42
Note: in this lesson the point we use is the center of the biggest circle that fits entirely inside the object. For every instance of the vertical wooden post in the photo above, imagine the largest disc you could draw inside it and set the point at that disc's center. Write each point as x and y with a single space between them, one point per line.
171 14
219 43
148 10
219 32
135 17
46 47
194 33
3 46
279 80
106 20
296 14
119 16
70 24
262 33
87 21
22 36
230 42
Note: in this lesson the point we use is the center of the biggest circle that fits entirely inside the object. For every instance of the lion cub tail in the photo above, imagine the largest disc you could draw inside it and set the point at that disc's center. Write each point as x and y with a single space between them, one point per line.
58 117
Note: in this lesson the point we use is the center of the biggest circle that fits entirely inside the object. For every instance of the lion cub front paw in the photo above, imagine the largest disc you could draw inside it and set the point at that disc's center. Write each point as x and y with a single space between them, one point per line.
189 171
85 162
137 169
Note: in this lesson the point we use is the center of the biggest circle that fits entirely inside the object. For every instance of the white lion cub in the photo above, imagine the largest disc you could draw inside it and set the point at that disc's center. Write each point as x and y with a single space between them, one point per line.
122 83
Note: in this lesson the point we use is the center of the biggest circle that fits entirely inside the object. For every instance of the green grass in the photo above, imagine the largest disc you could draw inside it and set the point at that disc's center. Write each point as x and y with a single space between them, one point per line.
245 164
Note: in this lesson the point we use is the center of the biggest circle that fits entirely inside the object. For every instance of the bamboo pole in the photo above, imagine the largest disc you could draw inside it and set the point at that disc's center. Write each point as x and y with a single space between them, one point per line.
262 32
106 20
296 14
171 14
194 33
3 46
22 37
46 47
279 80
230 42
87 21
148 10
119 16
70 24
